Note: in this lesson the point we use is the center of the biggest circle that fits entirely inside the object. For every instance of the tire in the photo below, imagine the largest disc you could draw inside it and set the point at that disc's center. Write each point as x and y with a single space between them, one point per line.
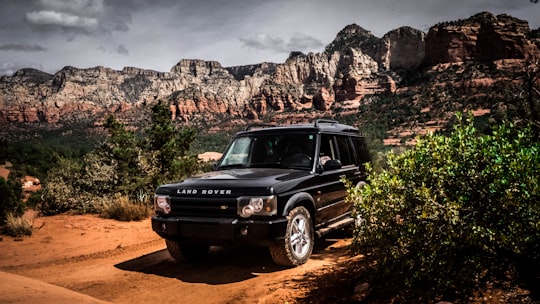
297 247
187 252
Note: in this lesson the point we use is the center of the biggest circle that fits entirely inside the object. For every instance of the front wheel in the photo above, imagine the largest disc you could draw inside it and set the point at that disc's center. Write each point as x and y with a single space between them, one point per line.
299 239
187 252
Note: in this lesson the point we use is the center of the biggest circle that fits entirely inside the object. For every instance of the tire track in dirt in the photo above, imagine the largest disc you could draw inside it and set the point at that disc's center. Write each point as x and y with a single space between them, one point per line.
86 257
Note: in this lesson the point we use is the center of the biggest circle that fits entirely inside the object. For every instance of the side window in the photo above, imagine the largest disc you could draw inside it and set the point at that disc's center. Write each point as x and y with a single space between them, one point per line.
345 153
327 150
361 149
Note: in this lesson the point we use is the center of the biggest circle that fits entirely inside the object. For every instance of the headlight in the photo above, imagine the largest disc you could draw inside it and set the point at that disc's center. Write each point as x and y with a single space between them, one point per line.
162 204
264 205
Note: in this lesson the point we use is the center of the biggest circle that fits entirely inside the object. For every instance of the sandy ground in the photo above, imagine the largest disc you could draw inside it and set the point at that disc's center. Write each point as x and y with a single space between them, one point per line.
87 259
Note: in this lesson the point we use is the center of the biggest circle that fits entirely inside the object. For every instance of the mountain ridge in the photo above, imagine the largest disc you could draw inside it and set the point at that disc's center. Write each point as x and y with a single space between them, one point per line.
341 80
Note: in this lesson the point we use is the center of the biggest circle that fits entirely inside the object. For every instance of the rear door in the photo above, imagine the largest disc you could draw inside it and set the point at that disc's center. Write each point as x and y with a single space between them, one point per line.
331 194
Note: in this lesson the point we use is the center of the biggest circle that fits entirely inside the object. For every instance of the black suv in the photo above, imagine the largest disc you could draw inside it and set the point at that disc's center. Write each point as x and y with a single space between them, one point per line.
278 187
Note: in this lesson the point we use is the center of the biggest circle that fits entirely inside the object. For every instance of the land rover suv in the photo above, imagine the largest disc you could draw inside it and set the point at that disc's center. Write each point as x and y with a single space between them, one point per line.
275 186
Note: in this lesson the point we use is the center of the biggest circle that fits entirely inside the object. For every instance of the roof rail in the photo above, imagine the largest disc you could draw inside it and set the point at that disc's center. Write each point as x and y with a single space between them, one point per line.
258 126
328 121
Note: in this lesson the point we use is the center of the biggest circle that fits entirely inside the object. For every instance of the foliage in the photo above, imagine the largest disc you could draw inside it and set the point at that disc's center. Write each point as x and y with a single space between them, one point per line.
168 146
126 165
36 153
453 211
216 142
68 189
121 151
10 198
17 226
34 199
123 209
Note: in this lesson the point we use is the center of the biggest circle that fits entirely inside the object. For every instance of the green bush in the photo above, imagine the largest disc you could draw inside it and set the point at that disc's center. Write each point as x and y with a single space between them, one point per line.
454 211
66 190
10 198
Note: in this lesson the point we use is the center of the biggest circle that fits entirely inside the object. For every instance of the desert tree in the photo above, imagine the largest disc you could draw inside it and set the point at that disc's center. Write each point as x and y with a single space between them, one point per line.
526 99
168 145
122 148
531 78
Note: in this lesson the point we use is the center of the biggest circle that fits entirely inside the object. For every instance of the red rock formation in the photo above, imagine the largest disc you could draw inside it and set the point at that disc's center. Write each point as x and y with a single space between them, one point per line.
402 48
356 64
483 37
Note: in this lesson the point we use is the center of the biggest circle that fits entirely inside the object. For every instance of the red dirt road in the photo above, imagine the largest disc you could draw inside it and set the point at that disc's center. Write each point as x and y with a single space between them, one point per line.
93 260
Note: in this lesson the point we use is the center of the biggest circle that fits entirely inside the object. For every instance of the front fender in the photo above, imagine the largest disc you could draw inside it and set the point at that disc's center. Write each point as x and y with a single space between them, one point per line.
295 199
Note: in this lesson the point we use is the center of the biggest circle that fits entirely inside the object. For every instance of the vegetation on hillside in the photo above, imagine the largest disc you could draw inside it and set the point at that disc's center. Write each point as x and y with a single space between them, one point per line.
37 151
119 177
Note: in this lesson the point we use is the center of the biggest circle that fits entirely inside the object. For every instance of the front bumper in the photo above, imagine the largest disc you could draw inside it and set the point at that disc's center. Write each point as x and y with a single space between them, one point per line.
220 231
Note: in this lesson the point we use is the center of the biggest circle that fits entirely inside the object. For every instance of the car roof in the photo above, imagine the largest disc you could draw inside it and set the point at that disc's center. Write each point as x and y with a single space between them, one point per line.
320 125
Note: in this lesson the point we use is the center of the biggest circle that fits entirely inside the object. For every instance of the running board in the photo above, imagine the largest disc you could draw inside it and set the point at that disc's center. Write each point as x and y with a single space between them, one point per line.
337 225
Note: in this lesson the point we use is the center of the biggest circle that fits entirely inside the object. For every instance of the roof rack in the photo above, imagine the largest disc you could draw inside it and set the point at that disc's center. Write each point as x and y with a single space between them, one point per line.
258 126
328 121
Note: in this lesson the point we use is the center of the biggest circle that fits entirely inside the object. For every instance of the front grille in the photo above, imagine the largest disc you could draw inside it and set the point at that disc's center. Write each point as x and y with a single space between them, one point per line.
203 207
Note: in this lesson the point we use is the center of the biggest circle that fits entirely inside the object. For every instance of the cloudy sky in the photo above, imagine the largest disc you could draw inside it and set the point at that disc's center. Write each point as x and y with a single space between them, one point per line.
156 34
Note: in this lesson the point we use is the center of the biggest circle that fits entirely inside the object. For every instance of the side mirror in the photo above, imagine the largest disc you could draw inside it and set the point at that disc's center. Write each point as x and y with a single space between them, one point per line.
332 164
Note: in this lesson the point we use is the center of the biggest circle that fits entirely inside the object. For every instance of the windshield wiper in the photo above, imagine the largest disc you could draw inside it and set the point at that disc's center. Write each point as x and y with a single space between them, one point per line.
232 166
265 165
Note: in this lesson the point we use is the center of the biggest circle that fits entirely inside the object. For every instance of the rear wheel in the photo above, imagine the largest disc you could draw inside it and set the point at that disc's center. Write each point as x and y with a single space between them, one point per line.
298 244
187 252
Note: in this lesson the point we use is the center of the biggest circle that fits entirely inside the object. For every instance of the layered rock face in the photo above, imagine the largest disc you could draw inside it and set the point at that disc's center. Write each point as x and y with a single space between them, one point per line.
354 65
73 94
483 37
193 88
403 48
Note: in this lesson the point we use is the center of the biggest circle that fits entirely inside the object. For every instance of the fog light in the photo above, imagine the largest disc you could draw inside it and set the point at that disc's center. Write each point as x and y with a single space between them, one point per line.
162 204
244 231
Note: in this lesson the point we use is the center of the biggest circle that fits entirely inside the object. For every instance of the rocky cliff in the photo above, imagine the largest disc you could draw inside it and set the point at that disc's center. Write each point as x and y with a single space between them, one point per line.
483 37
355 65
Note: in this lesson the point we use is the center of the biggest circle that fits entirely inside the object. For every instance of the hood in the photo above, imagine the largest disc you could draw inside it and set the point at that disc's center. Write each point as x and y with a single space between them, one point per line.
236 182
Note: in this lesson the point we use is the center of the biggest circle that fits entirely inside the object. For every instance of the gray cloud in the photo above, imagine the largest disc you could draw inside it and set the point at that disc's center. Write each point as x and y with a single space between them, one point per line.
63 20
89 7
264 42
156 34
301 42
7 68
76 17
298 42
122 50
22 47
10 67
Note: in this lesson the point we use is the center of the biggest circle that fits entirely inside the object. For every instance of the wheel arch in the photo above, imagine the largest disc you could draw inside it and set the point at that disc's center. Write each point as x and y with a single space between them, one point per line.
300 199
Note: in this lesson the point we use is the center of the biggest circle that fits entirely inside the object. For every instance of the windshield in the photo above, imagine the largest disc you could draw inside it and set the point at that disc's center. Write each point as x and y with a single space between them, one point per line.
271 151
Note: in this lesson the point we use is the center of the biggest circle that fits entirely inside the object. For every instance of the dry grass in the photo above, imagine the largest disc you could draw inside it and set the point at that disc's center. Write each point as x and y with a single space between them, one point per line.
122 209
17 226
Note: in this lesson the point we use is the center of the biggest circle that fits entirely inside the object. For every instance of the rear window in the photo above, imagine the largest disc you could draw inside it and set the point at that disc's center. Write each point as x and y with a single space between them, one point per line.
345 153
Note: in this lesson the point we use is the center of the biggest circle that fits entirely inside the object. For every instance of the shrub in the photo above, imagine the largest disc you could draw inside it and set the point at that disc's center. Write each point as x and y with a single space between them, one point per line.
68 189
123 209
17 226
10 198
453 211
